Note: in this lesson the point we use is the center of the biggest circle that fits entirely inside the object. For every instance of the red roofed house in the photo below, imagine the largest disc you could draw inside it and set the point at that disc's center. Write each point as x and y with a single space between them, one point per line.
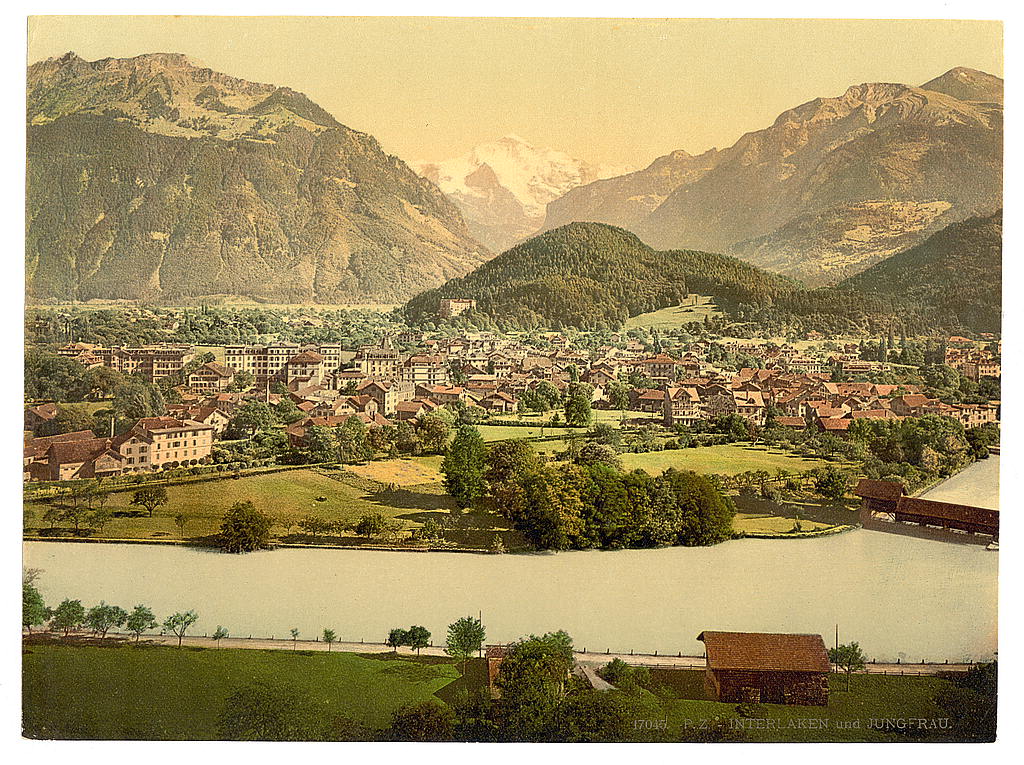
161 442
211 378
681 405
766 667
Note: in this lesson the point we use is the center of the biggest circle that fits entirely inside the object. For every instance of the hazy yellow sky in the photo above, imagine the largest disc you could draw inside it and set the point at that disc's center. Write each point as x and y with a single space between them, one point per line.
613 91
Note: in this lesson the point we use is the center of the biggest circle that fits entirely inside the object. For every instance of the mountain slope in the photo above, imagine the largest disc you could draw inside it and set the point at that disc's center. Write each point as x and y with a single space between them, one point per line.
592 275
503 187
956 272
831 187
152 178
626 200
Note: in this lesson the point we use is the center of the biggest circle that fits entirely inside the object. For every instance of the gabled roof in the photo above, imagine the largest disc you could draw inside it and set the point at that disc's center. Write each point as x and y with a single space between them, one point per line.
765 651
218 369
791 422
306 357
44 411
69 452
871 489
38 446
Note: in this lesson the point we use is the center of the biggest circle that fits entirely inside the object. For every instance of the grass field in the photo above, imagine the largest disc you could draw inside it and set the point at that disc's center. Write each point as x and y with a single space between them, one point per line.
675 316
728 459
110 692
504 432
846 718
287 495
124 691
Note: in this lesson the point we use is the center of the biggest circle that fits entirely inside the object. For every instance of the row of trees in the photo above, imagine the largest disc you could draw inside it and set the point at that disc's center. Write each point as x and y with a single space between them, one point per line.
70 615
586 504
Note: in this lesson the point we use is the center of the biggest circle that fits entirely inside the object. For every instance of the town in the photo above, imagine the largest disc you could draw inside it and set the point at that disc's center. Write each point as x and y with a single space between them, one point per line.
493 377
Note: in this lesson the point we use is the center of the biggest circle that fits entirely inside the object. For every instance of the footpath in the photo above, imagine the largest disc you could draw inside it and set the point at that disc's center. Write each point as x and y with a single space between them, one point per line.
587 659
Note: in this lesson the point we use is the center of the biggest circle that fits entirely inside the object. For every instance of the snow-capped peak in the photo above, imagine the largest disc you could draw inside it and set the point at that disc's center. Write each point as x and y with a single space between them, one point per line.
534 176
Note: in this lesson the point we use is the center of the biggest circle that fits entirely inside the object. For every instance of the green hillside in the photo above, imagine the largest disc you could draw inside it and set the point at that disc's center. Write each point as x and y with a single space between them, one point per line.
955 274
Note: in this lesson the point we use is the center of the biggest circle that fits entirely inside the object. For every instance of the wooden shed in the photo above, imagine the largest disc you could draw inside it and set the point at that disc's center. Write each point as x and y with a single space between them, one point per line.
495 655
766 667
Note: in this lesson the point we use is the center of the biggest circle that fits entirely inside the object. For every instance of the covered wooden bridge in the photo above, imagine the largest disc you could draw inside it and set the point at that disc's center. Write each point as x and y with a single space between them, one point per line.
885 501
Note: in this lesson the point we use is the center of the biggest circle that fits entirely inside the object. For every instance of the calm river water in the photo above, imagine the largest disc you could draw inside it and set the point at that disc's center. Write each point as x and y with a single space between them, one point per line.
900 597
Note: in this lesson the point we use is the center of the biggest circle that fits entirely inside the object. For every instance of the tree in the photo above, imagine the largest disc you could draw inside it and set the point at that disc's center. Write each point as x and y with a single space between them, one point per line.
578 398
617 394
371 525
321 445
76 514
397 637
417 638
295 636
99 518
219 634
150 498
68 616
181 521
139 620
329 637
353 443
532 681
243 380
425 721
314 525
433 431
463 466
849 658
971 702
465 637
832 482
179 623
244 529
594 453
249 419
102 618
34 612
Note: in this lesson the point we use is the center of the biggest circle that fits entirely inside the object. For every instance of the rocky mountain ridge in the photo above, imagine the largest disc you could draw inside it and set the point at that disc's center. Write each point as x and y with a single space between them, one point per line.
153 178
831 187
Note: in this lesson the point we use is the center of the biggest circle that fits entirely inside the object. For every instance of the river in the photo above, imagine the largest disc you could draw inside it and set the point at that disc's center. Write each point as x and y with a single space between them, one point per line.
900 597
978 485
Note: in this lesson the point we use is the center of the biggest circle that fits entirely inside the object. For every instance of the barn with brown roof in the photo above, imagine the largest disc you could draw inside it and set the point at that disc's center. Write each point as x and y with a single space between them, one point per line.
766 667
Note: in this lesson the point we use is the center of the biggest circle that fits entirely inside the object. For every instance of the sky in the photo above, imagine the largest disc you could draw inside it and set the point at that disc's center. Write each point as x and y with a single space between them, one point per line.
616 92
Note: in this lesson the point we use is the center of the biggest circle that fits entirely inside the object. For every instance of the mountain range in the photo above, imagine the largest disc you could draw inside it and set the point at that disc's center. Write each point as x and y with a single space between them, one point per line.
153 178
503 187
830 188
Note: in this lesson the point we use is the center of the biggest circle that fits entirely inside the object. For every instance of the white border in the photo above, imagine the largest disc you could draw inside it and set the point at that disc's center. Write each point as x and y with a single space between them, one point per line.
11 282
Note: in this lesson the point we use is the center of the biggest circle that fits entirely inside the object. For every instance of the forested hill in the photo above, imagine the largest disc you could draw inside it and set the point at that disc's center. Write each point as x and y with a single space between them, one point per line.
592 275
956 273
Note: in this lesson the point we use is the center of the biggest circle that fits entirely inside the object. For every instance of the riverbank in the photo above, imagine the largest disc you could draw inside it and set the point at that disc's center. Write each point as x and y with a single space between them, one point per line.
582 656
976 485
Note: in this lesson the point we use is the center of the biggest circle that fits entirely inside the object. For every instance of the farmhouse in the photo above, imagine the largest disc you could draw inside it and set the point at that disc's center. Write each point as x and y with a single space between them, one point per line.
766 667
